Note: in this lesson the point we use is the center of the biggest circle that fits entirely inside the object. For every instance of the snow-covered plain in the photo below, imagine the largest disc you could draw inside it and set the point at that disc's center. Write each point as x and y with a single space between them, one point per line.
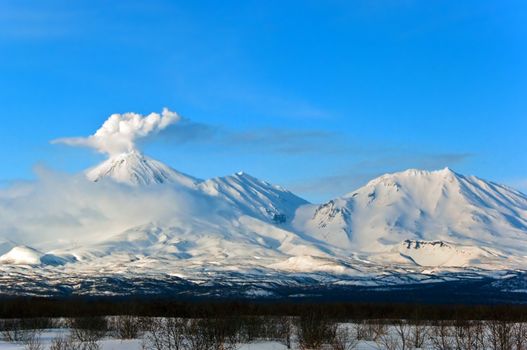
388 335
136 344
134 216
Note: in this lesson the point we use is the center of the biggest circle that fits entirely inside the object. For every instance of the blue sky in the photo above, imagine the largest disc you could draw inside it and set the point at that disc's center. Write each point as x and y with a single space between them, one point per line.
315 96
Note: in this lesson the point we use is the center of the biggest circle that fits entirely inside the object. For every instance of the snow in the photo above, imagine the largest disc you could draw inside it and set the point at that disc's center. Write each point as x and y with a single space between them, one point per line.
164 222
254 197
424 206
136 344
21 255
311 264
133 168
47 336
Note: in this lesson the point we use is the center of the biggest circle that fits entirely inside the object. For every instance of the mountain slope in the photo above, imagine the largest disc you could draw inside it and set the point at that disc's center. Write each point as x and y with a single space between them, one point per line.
23 255
133 168
399 228
254 197
422 206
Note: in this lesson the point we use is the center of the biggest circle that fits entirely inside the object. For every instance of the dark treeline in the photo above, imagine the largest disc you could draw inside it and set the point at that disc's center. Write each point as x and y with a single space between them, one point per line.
37 307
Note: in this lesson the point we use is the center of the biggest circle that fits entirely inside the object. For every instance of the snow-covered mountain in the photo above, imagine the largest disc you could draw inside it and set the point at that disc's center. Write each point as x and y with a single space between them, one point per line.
133 168
413 223
255 197
436 206
23 255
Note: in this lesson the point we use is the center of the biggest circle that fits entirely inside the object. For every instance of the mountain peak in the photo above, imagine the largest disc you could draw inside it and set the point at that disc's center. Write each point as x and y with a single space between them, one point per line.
413 175
134 168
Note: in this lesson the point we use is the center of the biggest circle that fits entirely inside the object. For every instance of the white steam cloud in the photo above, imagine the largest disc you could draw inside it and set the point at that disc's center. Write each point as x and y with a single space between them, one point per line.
120 132
60 210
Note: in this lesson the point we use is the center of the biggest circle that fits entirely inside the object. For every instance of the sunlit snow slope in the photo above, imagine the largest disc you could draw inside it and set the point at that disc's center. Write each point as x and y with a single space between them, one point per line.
135 169
407 223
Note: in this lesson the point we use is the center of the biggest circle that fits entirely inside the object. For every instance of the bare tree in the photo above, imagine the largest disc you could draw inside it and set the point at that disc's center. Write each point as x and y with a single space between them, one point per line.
22 330
33 341
197 339
314 330
480 337
192 334
418 334
68 343
500 334
165 334
399 338
285 330
223 332
441 335
12 331
388 342
370 330
469 335
126 327
344 338
88 331
519 336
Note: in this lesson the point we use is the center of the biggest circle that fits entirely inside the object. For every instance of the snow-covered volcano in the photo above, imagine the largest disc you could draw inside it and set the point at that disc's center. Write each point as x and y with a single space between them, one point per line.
256 197
412 222
136 169
422 206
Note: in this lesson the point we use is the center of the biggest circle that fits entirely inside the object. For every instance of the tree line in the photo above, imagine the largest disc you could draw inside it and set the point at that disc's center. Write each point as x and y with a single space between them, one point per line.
44 307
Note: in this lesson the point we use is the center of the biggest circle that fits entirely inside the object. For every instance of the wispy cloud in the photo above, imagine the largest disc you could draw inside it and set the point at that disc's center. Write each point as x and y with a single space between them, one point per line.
358 174
74 209
34 20
348 163
284 141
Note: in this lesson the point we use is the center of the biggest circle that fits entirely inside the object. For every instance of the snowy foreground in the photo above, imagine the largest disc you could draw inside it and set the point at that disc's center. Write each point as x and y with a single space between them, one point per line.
115 344
264 334
133 344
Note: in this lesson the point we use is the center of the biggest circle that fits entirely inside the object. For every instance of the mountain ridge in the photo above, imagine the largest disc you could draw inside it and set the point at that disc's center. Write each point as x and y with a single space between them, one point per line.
412 223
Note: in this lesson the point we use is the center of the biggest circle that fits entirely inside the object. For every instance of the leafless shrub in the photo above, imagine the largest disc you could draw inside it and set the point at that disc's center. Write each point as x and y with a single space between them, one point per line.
165 334
469 335
58 343
500 334
12 331
33 341
284 330
64 343
370 330
441 336
314 330
278 329
418 334
88 329
254 328
126 327
223 333
196 337
192 334
344 339
397 338
21 330
519 336
86 332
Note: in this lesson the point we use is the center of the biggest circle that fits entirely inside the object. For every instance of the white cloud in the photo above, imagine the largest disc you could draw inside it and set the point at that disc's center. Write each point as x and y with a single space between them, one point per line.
61 209
120 132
